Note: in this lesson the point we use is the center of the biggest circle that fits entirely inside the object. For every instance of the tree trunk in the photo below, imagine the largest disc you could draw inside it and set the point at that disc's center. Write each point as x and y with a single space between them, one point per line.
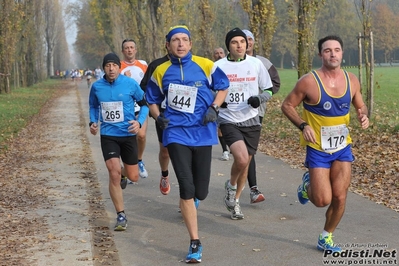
303 39
282 61
371 89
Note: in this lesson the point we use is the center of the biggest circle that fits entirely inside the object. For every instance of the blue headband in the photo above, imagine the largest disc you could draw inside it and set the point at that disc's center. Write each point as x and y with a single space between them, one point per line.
177 29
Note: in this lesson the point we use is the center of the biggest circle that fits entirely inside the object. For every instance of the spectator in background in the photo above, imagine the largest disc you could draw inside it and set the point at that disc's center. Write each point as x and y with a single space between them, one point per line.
255 194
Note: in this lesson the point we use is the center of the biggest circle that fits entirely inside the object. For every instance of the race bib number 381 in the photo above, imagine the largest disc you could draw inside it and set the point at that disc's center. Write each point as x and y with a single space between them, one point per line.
182 98
112 112
237 96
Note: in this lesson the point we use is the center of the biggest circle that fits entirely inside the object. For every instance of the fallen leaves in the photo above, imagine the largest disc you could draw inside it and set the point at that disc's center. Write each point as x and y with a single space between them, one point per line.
24 188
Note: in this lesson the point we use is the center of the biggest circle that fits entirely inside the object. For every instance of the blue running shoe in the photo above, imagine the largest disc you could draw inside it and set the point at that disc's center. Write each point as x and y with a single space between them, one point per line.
302 189
196 203
194 253
121 222
142 171
327 243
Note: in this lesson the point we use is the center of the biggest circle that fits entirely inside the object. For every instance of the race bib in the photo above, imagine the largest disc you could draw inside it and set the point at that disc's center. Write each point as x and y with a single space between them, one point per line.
333 138
112 112
237 96
182 98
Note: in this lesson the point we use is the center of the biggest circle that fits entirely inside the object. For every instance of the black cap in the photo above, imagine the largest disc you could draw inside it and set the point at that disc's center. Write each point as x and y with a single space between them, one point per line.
234 33
111 58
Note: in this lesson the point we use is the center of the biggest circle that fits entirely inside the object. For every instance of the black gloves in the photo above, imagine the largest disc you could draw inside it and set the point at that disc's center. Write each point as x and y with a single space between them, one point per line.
162 121
254 101
210 116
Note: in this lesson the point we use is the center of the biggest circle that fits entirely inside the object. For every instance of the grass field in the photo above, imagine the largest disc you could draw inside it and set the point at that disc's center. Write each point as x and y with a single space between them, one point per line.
17 107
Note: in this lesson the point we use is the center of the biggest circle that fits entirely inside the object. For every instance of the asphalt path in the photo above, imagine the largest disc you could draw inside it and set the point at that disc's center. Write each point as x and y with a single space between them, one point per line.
279 231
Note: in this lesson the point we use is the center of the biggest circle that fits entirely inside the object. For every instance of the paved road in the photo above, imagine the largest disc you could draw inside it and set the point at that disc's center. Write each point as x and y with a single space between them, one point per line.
279 231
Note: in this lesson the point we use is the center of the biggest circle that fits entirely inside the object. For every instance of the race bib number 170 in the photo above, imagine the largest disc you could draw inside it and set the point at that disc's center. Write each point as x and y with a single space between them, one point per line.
334 138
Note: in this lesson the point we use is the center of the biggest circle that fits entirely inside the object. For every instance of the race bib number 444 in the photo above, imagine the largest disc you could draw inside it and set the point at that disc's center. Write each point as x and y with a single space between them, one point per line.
182 98
112 112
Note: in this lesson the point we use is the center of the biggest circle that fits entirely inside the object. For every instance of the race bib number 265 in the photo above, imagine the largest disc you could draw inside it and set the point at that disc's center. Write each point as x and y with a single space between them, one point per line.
112 112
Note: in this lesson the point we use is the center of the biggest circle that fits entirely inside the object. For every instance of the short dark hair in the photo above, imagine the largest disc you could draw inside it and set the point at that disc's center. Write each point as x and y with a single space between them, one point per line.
127 40
330 38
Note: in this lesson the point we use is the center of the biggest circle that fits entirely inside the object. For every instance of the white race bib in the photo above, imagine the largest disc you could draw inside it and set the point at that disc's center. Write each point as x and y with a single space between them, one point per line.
182 98
112 112
334 138
237 96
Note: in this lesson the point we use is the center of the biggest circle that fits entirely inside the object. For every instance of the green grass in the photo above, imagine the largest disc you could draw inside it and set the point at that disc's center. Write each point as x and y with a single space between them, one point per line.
385 114
17 107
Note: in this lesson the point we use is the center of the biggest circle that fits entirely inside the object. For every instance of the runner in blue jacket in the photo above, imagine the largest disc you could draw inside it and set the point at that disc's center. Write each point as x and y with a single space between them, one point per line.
111 102
188 84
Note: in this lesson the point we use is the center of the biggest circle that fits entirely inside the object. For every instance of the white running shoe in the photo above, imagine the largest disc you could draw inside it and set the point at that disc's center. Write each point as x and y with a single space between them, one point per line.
236 213
142 171
225 156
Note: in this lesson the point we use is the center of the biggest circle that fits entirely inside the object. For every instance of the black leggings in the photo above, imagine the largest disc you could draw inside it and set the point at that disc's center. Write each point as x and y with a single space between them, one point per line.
252 167
192 166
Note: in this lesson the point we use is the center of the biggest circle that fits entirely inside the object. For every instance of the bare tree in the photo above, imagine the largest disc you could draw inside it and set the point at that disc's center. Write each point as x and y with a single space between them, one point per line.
307 11
262 22
207 39
7 43
363 8
52 14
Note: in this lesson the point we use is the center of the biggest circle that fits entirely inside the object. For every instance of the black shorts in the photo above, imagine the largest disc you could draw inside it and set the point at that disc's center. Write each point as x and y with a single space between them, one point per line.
192 166
250 136
124 147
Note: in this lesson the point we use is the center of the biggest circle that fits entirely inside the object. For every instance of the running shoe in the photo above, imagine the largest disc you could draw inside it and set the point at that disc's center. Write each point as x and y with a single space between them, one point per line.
327 243
194 253
142 171
121 222
225 156
255 195
123 181
196 203
230 198
164 185
236 213
302 189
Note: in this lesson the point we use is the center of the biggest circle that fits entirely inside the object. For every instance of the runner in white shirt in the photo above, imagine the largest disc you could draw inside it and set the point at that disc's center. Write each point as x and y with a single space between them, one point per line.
239 119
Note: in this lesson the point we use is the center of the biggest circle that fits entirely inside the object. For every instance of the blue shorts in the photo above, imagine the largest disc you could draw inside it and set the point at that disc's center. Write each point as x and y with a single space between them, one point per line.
319 159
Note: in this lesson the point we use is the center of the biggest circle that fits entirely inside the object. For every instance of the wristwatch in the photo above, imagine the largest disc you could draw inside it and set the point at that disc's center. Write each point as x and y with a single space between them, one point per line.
302 126
216 107
91 123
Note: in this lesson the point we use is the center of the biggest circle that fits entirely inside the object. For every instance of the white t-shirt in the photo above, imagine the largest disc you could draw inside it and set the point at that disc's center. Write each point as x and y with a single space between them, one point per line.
246 78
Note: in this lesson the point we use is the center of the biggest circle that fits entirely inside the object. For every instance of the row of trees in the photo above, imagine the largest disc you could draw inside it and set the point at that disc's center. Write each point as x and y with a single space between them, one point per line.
277 25
32 42
33 33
